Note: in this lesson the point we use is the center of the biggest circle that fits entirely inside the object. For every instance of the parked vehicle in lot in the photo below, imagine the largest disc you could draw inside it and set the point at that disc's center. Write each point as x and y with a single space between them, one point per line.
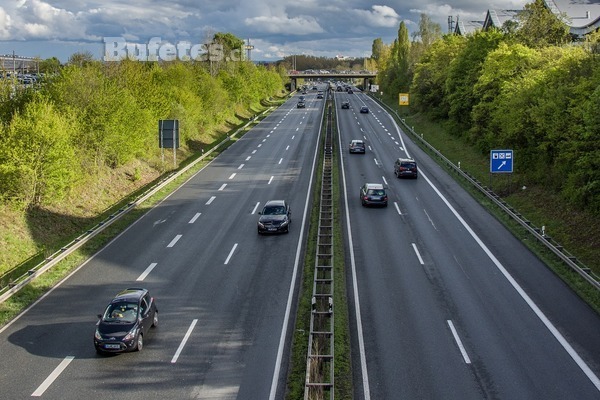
275 217
357 146
405 167
346 104
373 194
364 110
126 321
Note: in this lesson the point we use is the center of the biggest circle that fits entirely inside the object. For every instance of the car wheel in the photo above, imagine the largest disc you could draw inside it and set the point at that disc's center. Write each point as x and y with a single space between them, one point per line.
140 343
155 319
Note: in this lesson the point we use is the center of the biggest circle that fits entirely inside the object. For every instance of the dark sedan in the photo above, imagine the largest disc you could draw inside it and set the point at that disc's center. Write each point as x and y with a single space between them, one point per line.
126 322
275 217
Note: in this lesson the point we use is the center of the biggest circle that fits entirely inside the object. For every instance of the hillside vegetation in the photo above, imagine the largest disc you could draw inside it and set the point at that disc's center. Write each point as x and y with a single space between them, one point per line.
88 136
528 87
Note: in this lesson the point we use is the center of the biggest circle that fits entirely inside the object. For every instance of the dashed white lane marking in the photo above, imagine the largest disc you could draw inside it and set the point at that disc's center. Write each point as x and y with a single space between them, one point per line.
52 377
194 218
184 341
222 187
418 254
211 200
175 240
146 272
459 343
231 253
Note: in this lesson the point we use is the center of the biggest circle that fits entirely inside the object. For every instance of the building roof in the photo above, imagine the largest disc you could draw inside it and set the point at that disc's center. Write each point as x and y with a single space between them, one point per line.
497 18
468 27
583 15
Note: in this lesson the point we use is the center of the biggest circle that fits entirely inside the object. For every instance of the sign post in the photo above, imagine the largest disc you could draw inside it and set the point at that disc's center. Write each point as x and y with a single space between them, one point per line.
168 136
501 162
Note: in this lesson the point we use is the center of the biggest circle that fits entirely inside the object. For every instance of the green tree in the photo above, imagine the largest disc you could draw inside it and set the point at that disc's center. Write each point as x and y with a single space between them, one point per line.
403 58
464 73
539 27
81 59
428 88
377 49
50 65
38 162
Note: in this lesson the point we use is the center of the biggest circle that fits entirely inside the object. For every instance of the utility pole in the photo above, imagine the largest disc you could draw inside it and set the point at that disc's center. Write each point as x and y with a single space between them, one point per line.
249 48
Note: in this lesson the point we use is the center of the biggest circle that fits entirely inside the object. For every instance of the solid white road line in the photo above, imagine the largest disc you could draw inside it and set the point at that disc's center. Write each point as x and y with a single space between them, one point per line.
459 342
146 272
52 377
184 341
175 240
553 330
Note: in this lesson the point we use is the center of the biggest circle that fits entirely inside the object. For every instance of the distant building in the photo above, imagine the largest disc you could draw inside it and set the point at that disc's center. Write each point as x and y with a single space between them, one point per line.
581 16
468 27
13 62
497 18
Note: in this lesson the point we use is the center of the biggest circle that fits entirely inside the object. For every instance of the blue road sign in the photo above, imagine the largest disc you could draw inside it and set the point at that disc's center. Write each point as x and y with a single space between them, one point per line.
501 161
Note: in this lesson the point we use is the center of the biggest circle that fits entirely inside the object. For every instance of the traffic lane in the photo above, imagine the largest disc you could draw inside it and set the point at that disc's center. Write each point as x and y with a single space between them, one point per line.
565 309
473 282
590 340
419 191
107 274
429 222
402 317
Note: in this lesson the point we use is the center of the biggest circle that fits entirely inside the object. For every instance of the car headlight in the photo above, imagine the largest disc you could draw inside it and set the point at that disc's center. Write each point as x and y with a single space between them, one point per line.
261 224
284 222
97 335
130 335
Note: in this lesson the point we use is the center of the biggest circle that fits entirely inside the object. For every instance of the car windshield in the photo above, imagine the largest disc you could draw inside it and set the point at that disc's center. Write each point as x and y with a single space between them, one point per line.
274 210
121 312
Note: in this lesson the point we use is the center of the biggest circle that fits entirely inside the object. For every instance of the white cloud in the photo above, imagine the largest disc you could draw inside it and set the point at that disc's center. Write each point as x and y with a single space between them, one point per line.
379 16
5 25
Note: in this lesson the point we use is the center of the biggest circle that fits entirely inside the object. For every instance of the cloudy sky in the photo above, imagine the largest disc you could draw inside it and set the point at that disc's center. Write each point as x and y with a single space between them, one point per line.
276 28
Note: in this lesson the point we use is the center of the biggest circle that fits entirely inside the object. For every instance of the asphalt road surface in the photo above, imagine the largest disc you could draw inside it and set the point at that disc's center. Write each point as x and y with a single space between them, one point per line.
223 292
447 304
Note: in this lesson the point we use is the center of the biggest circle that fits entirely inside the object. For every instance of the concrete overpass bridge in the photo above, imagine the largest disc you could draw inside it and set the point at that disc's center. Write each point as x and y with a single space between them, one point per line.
366 77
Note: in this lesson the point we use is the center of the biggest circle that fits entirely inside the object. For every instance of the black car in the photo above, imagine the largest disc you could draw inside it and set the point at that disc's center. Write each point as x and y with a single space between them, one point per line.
275 217
301 104
364 110
405 167
373 194
126 322
346 104
357 146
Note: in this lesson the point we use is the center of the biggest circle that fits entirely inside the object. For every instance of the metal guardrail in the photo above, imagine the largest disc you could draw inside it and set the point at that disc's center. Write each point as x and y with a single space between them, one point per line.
319 364
50 261
568 258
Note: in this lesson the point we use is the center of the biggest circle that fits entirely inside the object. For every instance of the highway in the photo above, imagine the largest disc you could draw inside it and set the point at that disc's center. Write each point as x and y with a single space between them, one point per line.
447 304
224 293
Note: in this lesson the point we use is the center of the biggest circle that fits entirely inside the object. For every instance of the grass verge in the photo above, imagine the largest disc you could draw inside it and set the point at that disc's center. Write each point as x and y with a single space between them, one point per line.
343 388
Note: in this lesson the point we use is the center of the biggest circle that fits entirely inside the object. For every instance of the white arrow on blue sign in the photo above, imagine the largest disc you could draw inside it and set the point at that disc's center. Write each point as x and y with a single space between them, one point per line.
501 161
